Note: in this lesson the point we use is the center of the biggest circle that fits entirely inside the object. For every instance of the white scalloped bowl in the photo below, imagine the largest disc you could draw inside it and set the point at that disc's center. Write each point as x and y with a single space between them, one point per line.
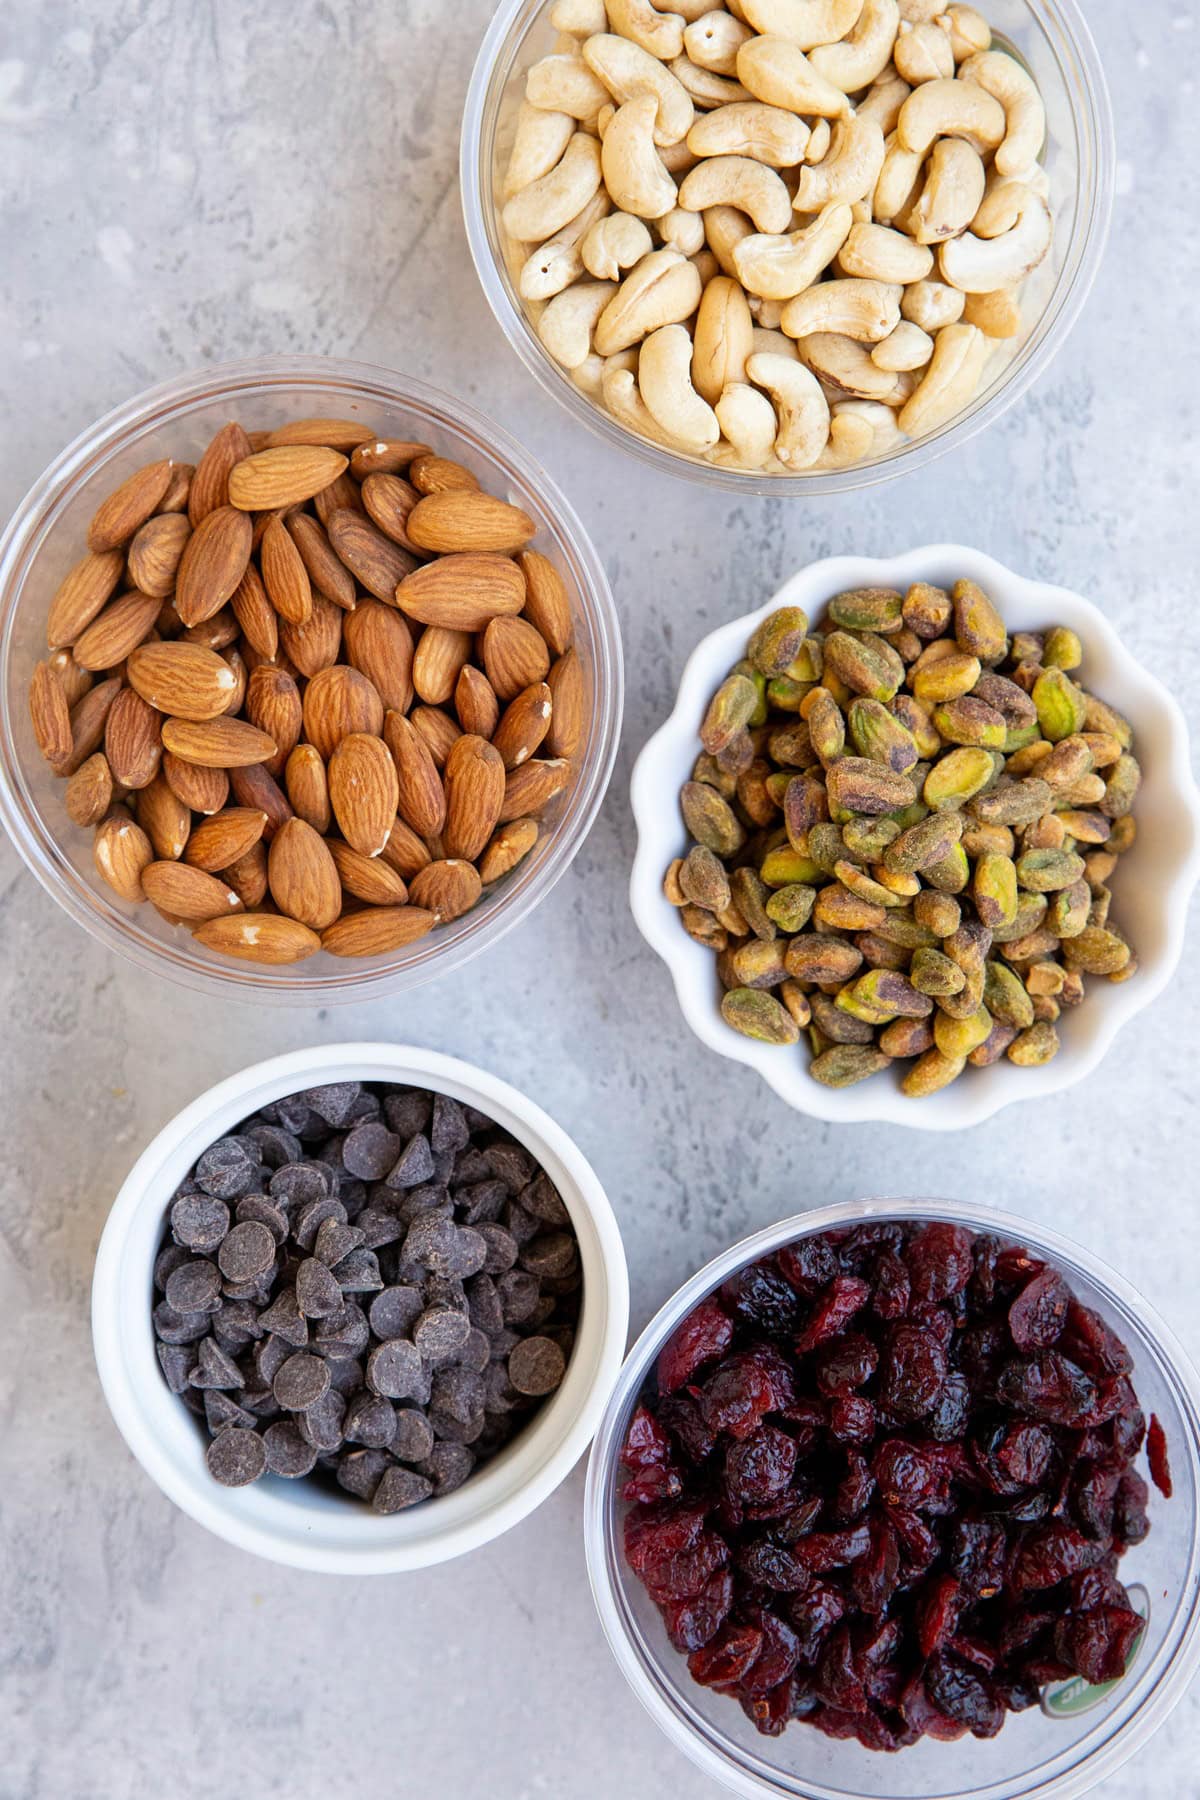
1151 888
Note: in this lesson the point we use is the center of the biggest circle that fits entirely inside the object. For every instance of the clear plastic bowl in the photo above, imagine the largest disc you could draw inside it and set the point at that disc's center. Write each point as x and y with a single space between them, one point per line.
1036 1756
1050 36
46 535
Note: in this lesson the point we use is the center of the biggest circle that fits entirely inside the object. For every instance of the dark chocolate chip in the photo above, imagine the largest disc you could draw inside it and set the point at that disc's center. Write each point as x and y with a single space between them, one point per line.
370 1421
194 1287
519 1294
379 1228
536 1366
358 1273
400 1488
407 1111
312 1215
176 1362
276 1146
317 1292
228 1169
247 1253
501 1248
484 1200
430 1241
440 1333
199 1221
552 1254
180 1328
394 1312
469 1254
221 1412
395 1370
476 1352
335 1240
288 1453
449 1464
414 1164
298 1184
413 1437
169 1258
448 1129
344 1333
236 1457
370 1151
360 1471
335 1103
321 1425
214 1369
258 1207
301 1382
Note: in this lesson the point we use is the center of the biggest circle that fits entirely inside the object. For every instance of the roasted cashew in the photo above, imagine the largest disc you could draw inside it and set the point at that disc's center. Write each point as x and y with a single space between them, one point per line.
980 265
713 42
665 383
724 338
663 289
706 89
907 347
899 179
997 315
1025 116
880 254
954 185
633 171
724 228
923 53
931 304
802 408
559 261
959 353
967 30
556 198
865 53
845 366
778 267
883 101
850 170
567 324
749 128
659 33
775 70
620 392
742 182
582 17
565 84
748 421
613 244
683 230
850 440
538 143
817 148
950 109
866 310
629 73
806 23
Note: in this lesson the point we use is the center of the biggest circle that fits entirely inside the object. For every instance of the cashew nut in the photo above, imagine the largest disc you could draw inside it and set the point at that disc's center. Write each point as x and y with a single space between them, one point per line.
583 17
776 71
620 391
665 382
705 265
899 179
770 342
880 254
567 324
706 89
683 230
724 339
806 23
923 53
588 375
633 171
954 184
959 353
1025 129
629 73
559 261
817 148
885 97
713 42
906 347
866 310
613 244
565 84
659 33
919 12
748 421
538 142
800 404
845 366
850 440
724 228
1000 207
663 289
677 159
954 108
546 205
980 265
742 182
865 53
691 10
931 304
997 315
849 172
749 128
967 30
881 418
778 267
766 313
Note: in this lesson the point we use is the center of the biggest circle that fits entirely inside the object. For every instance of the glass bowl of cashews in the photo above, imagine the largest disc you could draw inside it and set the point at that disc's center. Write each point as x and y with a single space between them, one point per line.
772 244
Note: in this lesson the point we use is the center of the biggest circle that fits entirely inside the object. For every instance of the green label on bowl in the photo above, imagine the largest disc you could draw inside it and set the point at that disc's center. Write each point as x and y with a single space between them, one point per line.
1067 1699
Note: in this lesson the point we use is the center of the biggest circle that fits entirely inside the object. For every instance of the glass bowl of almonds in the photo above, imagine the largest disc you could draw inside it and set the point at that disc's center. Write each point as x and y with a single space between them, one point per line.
917 840
232 750
781 245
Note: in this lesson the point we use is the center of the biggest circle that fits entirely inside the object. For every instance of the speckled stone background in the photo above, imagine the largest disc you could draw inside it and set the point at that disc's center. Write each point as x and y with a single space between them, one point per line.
182 182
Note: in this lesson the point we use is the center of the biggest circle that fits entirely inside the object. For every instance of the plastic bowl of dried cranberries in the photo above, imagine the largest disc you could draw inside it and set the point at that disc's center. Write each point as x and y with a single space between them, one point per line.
893 1475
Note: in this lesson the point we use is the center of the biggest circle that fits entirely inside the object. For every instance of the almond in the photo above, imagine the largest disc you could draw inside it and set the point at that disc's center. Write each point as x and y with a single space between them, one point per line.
525 723
201 790
462 592
73 680
273 704
326 571
438 729
183 679
133 740
286 476
389 501
308 787
364 791
379 644
303 877
338 701
368 878
336 434
284 574
317 643
377 930
217 633
258 937
515 656
508 847
255 786
210 483
341 495
255 614
529 790
121 850
89 792
248 876
217 743
474 782
404 851
371 557
117 518
88 717
475 702
164 818
213 563
385 456
155 552
422 798
568 701
457 519
224 839
434 474
188 893
81 595
439 656
120 628
447 889
49 714
179 488
547 607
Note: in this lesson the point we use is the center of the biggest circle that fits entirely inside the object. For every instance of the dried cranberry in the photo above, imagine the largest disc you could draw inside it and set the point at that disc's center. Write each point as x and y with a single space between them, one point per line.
814 1615
911 1374
852 1420
692 1623
940 1260
919 1545
646 1441
659 1532
809 1264
978 1555
682 1576
685 1422
1156 1454
1025 1453
907 1476
1130 1522
983 1273
706 1333
723 1662
737 1397
926 1719
1093 1343
1049 1555
798 1519
1016 1693
845 1296
763 1301
837 1682
1093 1497
893 1290
1097 1643
775 1661
963 1695
760 1466
1039 1312
656 1482
973 1650
771 1565
1048 1386
948 1417
873 1576
1096 1587
854 1490
936 1614
1127 1432
847 1363
769 1713
822 1550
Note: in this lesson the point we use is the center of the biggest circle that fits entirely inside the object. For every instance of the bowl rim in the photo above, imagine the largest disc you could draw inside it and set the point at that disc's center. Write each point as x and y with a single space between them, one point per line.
175 399
542 1454
1094 136
963 1104
1169 1684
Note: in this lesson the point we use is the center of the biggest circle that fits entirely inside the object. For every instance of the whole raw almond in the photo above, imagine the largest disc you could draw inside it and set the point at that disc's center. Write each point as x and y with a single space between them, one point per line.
364 791
219 633
368 878
184 679
201 790
529 790
377 930
336 434
568 701
463 593
439 656
422 798
49 714
385 456
326 571
474 783
213 563
210 483
447 888
525 723
273 704
155 552
338 701
284 574
83 592
458 519
179 488
256 786
220 841
475 702
88 717
317 643
388 501
217 743
120 628
73 680
117 518
515 656
434 474
371 557
240 676
438 729
378 643
255 614
511 843
164 818
89 792
286 476
308 787
342 495
404 851
133 740
248 876
188 893
303 877
121 850
547 607
258 937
